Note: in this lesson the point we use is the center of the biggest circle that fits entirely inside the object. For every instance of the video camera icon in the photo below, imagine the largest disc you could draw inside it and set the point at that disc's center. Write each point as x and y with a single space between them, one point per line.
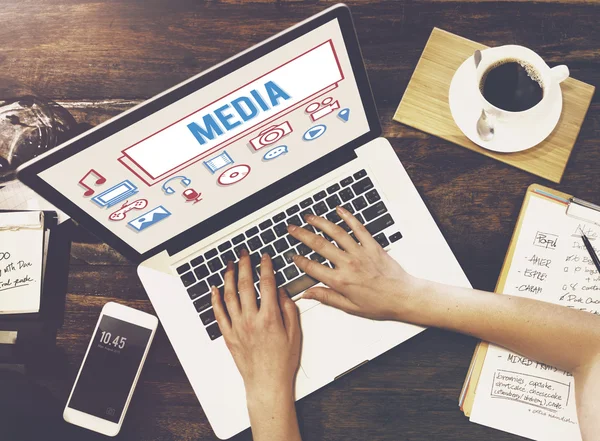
271 135
319 110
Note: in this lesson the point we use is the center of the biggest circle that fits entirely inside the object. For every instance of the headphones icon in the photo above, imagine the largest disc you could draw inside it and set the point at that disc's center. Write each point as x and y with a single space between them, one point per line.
169 190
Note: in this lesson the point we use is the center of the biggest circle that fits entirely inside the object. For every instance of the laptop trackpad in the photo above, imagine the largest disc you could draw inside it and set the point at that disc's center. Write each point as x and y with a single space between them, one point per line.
333 341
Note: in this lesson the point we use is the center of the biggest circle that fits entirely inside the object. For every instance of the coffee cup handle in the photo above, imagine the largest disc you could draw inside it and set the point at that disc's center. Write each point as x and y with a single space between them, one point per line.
559 73
486 125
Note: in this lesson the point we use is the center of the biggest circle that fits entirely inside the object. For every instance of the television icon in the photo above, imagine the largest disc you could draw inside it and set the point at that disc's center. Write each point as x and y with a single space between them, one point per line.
115 194
218 162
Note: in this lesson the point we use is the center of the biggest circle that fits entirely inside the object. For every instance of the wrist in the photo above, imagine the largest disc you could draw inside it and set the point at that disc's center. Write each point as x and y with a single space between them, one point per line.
273 414
266 399
412 300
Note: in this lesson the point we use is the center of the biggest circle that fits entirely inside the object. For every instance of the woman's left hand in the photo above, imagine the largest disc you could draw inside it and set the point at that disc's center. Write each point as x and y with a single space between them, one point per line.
265 340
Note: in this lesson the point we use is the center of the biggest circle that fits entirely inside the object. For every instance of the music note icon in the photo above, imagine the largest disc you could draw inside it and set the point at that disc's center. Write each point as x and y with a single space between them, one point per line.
99 181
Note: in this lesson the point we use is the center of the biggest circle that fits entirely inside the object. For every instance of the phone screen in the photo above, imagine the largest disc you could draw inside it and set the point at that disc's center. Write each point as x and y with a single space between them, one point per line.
110 368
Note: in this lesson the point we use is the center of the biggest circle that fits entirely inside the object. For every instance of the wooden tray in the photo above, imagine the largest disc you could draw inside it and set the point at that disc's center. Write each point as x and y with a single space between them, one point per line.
424 106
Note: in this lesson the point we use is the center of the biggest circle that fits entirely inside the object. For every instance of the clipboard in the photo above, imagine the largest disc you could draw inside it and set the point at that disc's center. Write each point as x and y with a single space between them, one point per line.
574 207
48 220
26 338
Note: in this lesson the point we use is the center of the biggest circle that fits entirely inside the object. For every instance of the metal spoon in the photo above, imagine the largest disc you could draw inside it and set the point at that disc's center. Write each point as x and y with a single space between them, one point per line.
477 58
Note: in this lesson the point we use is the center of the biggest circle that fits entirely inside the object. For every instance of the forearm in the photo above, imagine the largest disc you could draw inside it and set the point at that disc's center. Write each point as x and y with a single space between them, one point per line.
273 417
552 334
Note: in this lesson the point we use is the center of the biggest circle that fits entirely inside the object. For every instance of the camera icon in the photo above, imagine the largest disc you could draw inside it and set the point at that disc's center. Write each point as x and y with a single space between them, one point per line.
271 135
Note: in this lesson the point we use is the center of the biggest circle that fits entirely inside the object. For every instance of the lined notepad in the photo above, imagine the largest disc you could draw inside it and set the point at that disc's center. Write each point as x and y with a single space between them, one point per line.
21 261
547 261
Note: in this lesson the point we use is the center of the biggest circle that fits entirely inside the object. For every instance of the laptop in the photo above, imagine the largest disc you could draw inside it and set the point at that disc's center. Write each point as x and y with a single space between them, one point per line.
181 183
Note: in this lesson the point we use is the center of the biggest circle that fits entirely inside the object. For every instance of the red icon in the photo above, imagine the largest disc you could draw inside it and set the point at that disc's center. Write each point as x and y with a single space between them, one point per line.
271 135
192 195
120 214
99 181
319 110
234 174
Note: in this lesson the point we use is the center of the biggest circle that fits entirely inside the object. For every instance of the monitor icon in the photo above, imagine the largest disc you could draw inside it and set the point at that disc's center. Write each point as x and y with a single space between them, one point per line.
115 194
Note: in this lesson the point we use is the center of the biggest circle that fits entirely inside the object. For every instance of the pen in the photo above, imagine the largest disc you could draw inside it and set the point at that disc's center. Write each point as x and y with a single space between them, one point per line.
590 249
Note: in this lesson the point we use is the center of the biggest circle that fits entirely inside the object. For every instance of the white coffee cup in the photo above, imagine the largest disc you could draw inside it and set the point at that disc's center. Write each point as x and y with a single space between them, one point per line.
493 117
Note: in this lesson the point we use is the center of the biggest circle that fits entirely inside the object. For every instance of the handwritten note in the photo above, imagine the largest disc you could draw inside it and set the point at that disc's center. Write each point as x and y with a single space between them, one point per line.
21 256
550 263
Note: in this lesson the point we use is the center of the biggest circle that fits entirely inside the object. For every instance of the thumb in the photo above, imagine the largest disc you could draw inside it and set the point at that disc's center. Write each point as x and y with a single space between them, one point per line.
330 297
289 312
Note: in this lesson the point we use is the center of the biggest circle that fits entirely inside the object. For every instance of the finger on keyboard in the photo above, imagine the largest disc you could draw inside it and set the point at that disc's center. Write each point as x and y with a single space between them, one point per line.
314 270
246 284
334 231
219 310
268 288
317 243
232 301
360 231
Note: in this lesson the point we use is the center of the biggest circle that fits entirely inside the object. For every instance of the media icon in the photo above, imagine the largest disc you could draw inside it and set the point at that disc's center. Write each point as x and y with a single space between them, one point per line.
191 195
99 181
271 135
314 132
120 214
319 110
344 114
148 219
170 190
275 152
116 194
218 162
234 174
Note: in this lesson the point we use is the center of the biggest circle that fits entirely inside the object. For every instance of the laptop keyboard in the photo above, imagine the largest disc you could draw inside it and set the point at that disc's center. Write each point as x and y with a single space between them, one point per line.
356 193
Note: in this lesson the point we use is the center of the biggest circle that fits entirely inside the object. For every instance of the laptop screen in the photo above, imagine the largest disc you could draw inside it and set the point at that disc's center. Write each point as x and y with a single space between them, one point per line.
210 149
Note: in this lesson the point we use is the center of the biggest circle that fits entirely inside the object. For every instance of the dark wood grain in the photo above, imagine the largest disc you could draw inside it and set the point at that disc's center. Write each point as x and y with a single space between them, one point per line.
98 58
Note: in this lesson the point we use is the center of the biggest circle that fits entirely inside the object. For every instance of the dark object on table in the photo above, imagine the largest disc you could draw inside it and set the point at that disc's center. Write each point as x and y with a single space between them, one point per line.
29 126
23 399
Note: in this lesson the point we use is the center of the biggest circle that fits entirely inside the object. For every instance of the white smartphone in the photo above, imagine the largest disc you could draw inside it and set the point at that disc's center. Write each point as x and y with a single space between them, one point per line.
110 369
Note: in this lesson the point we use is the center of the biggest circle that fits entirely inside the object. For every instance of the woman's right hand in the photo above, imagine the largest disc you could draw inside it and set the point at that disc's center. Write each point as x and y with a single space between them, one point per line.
366 281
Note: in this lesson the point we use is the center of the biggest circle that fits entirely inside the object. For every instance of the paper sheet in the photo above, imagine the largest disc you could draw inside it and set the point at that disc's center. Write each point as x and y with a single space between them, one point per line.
21 256
550 263
15 195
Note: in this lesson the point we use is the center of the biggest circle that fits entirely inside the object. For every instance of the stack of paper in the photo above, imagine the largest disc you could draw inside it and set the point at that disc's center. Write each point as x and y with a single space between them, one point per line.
546 261
23 246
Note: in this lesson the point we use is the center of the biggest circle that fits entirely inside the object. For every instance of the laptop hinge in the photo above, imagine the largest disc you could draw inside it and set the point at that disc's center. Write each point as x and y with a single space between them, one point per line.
258 200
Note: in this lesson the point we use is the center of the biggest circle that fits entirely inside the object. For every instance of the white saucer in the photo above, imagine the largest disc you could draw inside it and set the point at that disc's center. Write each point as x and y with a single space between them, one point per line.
466 109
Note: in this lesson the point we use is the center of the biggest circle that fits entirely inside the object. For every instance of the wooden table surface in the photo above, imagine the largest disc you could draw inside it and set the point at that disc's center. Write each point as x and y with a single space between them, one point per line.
98 58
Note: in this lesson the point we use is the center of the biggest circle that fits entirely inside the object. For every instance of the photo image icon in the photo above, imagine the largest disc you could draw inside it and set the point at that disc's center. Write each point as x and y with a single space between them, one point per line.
150 218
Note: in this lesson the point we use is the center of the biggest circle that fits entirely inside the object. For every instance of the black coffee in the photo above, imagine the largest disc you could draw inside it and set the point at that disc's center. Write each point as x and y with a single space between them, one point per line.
511 85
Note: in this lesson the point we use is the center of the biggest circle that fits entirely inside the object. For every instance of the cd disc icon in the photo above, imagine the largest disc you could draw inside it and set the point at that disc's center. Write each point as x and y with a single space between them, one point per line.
234 174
